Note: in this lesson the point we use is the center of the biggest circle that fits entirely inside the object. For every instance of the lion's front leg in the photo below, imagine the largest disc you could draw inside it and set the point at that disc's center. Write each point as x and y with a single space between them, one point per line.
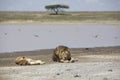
72 60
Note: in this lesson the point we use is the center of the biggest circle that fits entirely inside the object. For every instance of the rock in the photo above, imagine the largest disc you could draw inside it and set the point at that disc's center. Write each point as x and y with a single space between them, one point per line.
110 70
77 75
58 74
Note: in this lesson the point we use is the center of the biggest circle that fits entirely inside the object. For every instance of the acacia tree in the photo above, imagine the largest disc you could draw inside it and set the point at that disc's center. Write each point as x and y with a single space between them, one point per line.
56 8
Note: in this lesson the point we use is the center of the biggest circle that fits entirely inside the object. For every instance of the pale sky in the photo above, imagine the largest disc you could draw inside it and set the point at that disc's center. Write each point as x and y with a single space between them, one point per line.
75 5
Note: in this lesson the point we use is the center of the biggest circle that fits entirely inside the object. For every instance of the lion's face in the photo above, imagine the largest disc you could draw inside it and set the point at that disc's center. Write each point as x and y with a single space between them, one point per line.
65 55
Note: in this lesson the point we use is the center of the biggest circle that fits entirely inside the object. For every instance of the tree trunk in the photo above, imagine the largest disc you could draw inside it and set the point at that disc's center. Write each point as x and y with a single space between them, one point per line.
56 12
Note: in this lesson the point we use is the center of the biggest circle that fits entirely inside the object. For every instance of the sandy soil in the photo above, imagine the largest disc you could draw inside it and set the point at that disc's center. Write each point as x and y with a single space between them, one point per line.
61 22
93 64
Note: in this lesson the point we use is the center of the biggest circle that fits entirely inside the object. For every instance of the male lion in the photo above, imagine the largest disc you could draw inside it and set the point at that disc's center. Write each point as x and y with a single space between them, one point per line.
22 60
62 54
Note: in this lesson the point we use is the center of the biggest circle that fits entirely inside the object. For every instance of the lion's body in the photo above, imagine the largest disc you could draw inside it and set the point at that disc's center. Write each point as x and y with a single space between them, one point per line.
27 61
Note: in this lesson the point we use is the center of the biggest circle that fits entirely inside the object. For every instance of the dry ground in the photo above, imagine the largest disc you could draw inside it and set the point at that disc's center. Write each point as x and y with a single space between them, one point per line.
103 54
93 64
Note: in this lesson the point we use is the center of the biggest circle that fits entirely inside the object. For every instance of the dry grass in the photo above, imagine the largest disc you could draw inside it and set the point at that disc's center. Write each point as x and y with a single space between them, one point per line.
44 17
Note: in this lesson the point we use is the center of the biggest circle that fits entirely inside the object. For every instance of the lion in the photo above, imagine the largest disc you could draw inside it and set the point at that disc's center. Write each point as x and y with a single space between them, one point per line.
22 60
62 54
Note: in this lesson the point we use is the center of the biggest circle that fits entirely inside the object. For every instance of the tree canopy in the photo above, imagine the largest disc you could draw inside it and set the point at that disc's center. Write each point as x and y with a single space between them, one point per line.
56 8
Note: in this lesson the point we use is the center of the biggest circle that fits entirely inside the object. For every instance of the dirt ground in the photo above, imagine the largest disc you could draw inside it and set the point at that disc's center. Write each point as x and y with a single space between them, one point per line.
93 64
103 54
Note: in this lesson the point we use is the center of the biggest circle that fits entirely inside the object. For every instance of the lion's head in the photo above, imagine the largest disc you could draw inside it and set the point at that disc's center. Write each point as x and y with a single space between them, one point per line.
61 53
